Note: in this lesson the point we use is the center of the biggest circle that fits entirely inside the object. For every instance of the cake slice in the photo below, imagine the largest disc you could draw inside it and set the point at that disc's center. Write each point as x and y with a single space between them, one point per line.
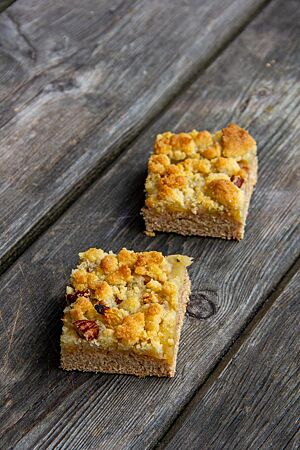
200 183
124 313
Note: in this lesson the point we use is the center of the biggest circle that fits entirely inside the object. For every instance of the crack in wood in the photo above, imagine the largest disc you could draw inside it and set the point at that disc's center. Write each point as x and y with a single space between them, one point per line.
32 52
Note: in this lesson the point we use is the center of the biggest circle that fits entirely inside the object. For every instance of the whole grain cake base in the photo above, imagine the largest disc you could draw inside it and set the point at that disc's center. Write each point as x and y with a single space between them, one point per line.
125 313
201 184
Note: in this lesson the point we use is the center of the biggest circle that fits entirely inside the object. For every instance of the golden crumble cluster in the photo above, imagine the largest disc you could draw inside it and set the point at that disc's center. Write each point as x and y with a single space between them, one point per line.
200 170
125 301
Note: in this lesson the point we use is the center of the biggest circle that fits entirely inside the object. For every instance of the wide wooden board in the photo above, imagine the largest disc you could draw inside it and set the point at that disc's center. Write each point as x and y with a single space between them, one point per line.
255 402
78 80
46 407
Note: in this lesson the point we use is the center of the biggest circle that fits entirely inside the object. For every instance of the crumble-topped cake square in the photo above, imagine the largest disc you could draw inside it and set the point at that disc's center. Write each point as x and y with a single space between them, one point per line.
124 312
201 183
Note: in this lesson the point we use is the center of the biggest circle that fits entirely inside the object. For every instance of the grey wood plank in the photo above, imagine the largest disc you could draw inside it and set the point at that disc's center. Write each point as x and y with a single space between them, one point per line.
78 80
255 402
47 408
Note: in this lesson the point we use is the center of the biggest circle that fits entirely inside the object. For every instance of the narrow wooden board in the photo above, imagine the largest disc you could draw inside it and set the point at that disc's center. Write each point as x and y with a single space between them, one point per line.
255 402
78 80
48 408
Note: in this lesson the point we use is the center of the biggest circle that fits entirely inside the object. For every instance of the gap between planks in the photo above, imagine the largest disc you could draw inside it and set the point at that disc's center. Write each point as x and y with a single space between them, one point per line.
291 441
104 165
4 4
228 355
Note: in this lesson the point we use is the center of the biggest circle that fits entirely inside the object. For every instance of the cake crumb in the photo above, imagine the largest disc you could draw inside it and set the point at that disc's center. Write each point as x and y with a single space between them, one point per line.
149 233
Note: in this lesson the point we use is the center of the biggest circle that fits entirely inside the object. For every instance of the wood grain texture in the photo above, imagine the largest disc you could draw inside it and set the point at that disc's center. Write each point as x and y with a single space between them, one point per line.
78 80
255 402
47 408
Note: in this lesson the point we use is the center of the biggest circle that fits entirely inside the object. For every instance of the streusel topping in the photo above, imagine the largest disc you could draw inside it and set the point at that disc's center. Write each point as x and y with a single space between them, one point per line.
196 170
125 301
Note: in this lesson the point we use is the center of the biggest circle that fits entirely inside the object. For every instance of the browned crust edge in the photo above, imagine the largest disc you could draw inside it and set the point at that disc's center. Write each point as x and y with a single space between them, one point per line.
93 359
203 223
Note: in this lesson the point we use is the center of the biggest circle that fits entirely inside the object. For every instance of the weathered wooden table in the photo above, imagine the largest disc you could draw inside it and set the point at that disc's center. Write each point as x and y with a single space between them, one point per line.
84 88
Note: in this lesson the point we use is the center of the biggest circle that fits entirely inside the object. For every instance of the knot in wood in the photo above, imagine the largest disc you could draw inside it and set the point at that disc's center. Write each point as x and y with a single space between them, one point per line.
203 304
62 85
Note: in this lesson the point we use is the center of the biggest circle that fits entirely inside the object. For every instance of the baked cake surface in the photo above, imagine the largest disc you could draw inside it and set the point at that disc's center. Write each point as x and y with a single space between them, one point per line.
201 183
124 312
